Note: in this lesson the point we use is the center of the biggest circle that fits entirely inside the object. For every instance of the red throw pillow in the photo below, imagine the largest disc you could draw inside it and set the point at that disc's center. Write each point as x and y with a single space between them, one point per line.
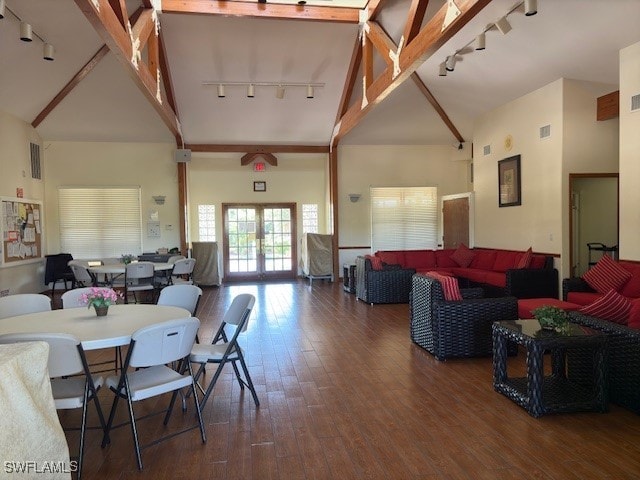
376 262
634 314
612 306
463 256
606 275
450 288
525 259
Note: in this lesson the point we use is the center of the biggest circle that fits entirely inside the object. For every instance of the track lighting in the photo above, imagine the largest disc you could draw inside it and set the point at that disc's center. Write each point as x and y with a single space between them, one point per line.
481 41
280 87
221 91
280 92
530 7
251 91
309 91
443 70
48 52
450 63
25 32
503 25
2 7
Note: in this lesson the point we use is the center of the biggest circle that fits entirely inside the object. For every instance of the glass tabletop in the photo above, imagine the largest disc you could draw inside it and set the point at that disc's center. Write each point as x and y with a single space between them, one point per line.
531 328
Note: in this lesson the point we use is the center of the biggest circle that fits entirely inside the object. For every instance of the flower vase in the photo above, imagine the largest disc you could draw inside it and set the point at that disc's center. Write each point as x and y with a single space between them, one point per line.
101 311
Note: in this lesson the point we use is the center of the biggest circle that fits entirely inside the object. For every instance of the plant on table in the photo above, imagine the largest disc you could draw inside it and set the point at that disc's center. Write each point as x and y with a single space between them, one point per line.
100 297
551 318
127 258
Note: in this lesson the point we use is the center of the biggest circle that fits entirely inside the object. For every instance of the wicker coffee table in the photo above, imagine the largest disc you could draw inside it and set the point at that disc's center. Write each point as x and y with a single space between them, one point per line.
577 378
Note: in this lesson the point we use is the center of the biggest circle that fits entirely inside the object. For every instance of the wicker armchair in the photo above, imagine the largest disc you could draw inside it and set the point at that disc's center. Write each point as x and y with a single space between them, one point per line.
575 284
624 359
392 284
449 329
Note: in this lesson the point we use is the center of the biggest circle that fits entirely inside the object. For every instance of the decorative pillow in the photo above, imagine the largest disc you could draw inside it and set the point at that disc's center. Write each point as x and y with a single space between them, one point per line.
463 256
634 314
606 275
612 306
525 259
450 288
376 262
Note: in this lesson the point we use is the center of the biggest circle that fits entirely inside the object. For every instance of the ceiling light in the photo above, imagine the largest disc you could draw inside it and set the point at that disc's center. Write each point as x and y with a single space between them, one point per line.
503 25
221 91
2 6
309 91
450 63
530 7
443 70
280 92
48 52
251 91
25 32
481 41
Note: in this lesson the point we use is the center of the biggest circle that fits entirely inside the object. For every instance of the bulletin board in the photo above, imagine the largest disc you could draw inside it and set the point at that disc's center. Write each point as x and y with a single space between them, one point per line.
21 228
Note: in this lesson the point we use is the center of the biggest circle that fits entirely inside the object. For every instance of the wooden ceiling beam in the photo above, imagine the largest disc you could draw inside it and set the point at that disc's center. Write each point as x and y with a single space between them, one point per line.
228 148
250 157
427 42
263 10
143 28
383 43
414 21
350 80
106 23
373 8
436 105
120 9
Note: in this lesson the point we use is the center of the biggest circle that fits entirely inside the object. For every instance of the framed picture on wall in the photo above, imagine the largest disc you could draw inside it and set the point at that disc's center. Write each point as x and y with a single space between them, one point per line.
509 192
259 186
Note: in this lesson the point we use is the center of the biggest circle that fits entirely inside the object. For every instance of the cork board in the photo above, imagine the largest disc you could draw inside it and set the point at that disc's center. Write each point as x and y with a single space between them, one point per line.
21 230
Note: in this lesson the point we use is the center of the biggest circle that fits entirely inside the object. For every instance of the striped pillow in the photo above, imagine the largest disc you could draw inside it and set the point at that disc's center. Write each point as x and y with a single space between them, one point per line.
450 288
612 306
376 262
525 259
606 275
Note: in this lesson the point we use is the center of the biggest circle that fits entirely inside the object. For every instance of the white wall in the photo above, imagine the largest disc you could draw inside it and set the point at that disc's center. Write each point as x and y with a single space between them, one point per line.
363 166
149 165
15 172
629 154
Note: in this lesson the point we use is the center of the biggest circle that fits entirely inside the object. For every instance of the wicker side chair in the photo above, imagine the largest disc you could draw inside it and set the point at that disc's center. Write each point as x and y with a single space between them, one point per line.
392 284
453 329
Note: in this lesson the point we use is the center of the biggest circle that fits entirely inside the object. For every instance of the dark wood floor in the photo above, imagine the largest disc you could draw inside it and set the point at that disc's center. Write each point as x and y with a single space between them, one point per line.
345 394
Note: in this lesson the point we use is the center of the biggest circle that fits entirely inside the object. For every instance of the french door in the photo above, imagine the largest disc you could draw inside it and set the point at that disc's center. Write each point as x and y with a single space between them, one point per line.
259 241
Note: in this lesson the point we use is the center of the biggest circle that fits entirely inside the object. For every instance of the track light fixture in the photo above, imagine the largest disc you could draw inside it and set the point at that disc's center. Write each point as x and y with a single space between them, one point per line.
530 7
27 33
251 87
280 92
251 91
481 41
221 91
450 63
443 70
503 25
309 91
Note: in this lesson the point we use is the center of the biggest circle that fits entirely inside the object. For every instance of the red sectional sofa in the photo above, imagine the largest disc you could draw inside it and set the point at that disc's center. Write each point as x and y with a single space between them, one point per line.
493 270
577 290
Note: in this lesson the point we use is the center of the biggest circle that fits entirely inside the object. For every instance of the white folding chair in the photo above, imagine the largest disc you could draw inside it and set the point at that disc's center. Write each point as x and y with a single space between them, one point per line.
234 322
71 382
150 350
184 296
23 303
83 277
71 298
138 277
182 271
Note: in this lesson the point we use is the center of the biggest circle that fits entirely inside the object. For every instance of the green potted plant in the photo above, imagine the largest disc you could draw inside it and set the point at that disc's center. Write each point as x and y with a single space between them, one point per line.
551 318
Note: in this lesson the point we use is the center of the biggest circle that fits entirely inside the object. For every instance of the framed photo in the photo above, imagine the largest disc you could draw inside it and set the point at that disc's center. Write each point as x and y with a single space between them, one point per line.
259 186
509 193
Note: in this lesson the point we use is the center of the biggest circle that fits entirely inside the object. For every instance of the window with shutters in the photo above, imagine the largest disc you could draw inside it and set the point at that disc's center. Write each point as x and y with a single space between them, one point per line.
100 222
404 218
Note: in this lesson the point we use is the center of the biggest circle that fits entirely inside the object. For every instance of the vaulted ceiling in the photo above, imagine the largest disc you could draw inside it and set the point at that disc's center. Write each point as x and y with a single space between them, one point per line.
93 93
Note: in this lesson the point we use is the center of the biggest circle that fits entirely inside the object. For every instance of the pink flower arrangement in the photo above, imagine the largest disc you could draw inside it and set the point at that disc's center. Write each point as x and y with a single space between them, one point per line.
99 297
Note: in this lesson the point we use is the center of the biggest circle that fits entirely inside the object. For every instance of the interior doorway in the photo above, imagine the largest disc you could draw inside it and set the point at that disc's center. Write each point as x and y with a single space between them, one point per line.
593 217
457 220
259 241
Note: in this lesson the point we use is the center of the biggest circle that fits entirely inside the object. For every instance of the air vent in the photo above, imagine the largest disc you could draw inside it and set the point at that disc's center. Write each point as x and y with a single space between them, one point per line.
36 171
635 103
545 131
486 149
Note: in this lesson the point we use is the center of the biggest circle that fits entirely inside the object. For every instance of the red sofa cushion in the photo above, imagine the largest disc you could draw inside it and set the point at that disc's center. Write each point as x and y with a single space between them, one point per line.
583 298
450 288
499 279
443 258
463 255
634 314
527 305
538 261
505 260
472 274
612 306
606 275
376 262
483 259
391 257
631 289
525 259
420 259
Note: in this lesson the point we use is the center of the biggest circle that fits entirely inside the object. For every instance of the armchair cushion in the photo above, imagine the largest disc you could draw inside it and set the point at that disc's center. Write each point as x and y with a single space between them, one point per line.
606 275
449 285
612 306
376 262
463 255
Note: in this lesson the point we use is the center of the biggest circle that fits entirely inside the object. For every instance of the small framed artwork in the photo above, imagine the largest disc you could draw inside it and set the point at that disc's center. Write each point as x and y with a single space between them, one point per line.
259 186
509 193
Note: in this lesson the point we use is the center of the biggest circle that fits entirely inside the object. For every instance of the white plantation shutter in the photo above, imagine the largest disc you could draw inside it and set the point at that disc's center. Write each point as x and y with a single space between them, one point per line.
100 222
404 218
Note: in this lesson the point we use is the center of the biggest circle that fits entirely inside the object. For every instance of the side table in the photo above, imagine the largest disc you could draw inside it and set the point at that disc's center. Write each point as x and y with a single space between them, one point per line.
349 277
567 388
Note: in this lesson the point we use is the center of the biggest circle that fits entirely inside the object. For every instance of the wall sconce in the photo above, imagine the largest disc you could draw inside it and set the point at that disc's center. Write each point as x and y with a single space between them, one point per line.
354 197
159 199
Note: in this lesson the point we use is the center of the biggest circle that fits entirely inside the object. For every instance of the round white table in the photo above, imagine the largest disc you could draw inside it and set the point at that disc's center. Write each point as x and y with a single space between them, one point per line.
94 332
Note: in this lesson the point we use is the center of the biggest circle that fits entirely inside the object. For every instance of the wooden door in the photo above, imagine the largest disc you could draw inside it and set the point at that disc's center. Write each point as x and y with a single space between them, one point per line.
455 221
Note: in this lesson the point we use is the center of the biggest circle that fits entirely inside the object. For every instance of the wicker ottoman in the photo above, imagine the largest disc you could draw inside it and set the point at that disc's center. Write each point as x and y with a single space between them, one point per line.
527 305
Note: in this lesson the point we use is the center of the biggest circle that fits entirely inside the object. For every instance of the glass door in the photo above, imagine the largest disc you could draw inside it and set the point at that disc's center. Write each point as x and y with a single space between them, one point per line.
259 241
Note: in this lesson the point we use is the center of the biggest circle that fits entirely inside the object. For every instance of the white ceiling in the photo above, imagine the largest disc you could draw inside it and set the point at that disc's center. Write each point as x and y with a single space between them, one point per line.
578 39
